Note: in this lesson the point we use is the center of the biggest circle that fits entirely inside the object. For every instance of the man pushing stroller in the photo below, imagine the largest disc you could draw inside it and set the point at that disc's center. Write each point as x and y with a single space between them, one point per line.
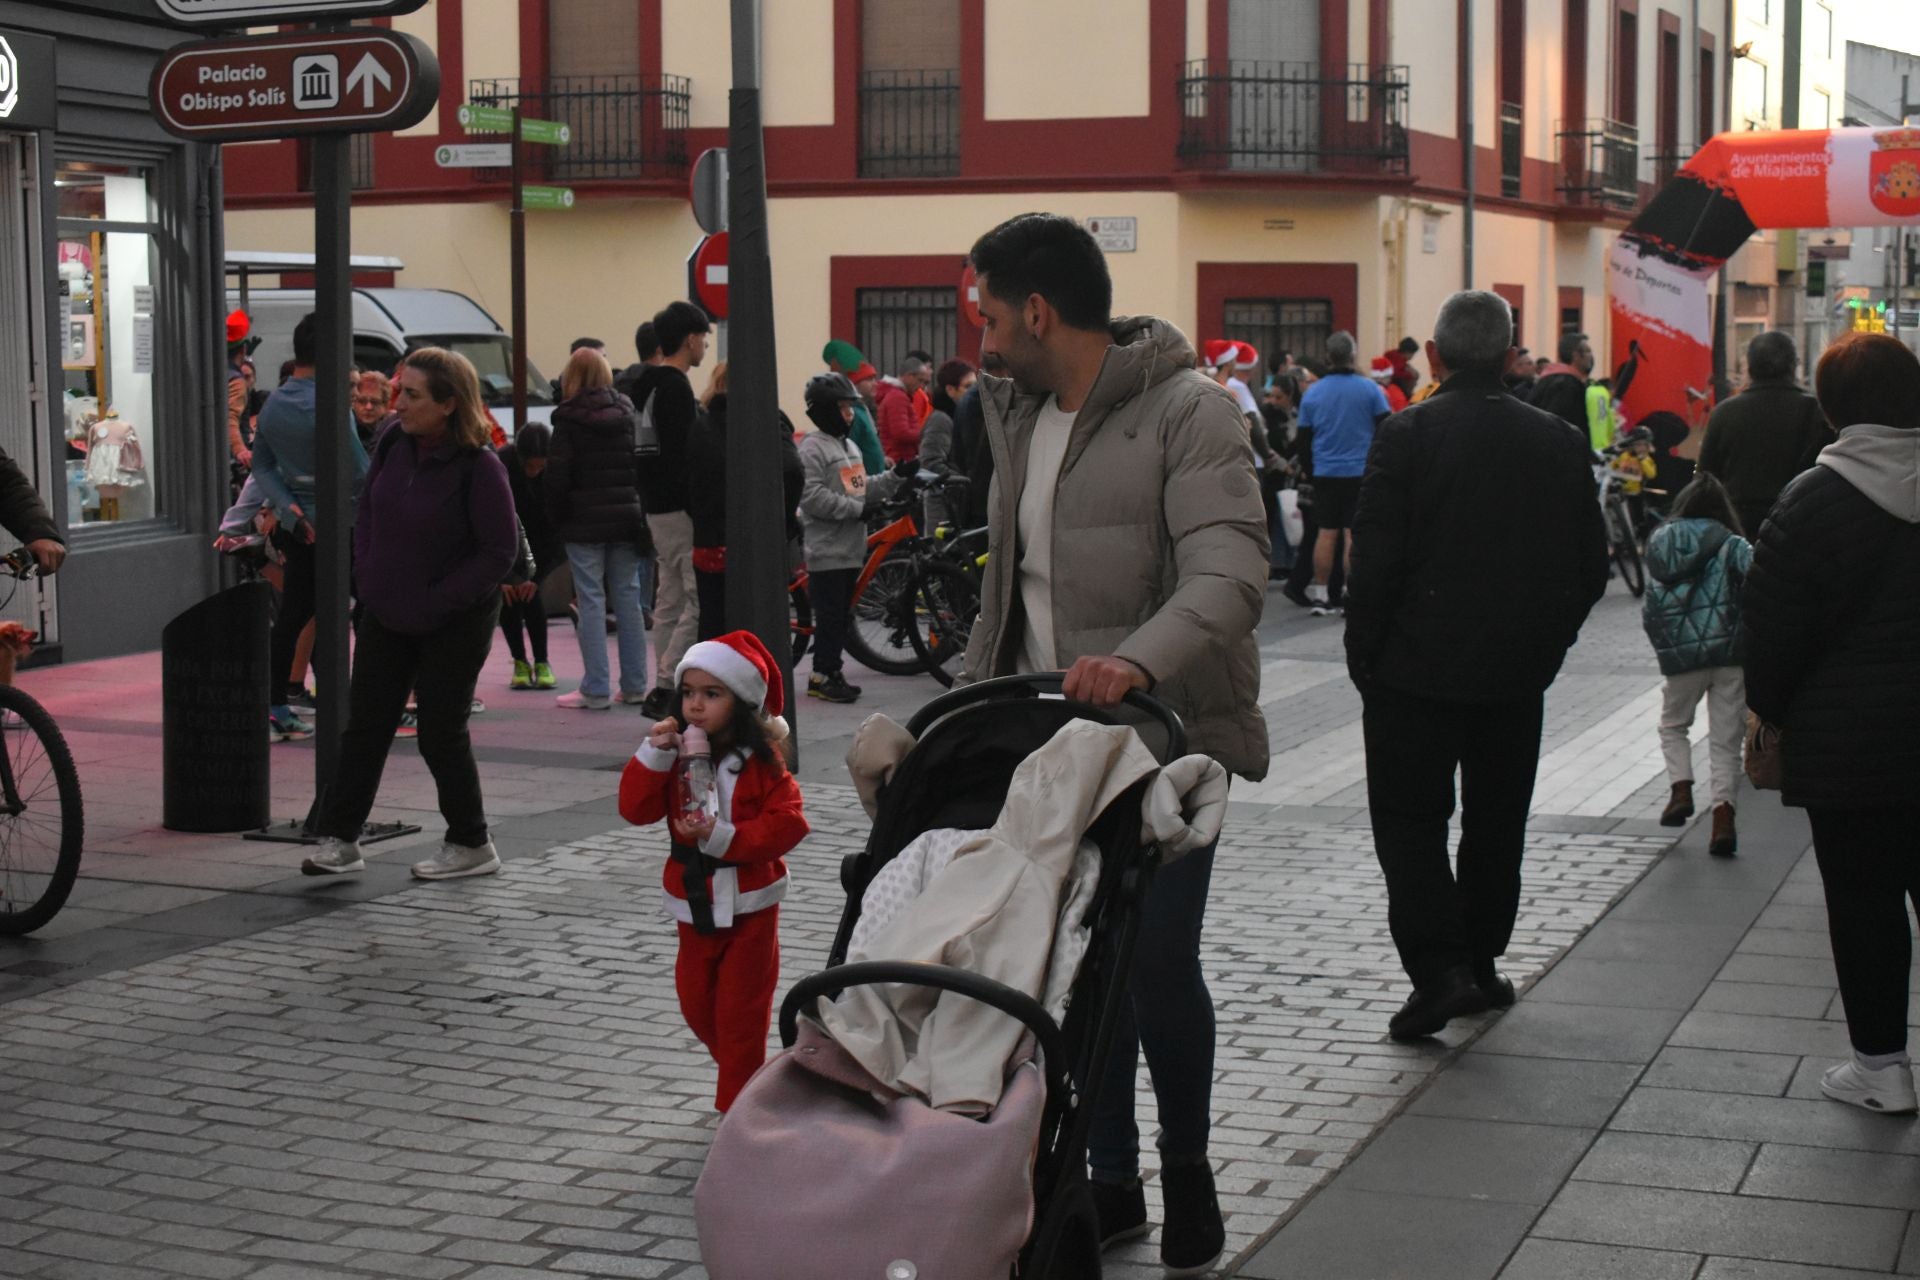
1126 492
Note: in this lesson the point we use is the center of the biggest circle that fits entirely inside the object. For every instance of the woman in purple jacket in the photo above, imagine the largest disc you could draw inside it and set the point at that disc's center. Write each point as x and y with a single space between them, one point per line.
433 538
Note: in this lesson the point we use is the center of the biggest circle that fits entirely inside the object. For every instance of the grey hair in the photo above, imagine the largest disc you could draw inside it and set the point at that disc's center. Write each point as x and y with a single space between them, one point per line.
1473 331
1772 355
912 365
1340 350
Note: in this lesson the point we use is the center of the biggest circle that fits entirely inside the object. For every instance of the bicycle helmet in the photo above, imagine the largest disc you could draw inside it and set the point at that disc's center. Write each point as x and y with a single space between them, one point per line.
825 393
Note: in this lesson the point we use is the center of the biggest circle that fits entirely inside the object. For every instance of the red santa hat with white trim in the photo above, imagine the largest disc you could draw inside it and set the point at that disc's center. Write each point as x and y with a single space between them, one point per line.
1245 357
739 661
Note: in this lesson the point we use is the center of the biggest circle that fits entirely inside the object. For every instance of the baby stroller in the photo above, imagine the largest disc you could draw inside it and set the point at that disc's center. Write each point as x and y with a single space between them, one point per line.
957 775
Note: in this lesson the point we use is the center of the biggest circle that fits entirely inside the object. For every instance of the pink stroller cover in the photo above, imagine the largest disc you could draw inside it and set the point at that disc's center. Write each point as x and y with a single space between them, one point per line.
813 1177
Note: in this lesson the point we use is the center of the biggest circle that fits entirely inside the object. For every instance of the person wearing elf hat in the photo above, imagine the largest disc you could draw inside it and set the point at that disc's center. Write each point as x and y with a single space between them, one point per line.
1381 370
726 876
239 346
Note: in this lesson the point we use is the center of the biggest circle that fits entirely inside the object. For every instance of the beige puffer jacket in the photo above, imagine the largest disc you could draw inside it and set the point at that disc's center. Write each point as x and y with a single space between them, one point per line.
1159 538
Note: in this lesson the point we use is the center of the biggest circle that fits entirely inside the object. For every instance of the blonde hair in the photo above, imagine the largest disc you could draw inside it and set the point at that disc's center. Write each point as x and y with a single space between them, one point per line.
587 370
451 376
716 385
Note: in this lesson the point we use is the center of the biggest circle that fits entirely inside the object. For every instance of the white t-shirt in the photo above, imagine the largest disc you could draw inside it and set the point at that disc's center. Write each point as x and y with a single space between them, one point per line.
1045 452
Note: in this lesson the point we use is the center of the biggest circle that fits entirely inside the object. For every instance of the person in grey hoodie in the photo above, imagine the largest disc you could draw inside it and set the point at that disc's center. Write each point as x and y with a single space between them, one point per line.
1832 632
835 493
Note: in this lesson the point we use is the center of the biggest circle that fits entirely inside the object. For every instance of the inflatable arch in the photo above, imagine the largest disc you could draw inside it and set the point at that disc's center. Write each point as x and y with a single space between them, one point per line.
1659 269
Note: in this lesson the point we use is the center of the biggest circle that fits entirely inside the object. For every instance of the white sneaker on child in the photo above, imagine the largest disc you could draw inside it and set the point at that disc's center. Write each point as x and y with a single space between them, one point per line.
1888 1090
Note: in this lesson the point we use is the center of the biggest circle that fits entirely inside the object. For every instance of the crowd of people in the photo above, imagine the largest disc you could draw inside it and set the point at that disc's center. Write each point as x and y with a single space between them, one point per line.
1139 494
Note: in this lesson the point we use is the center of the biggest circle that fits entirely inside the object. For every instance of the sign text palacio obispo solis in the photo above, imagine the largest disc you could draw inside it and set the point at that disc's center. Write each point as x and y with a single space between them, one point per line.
362 80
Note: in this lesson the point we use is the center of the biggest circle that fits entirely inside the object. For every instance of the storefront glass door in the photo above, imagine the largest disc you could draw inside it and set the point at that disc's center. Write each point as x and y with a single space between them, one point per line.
24 386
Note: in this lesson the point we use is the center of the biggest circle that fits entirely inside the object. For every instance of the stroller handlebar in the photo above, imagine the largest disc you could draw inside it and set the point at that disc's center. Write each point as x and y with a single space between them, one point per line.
1042 683
866 973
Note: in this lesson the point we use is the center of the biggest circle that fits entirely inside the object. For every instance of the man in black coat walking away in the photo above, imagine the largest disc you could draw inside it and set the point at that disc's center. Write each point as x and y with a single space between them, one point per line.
1760 439
1448 682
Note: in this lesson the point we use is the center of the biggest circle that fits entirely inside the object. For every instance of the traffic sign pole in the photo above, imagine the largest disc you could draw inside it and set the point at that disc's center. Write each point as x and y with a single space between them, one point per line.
333 318
517 229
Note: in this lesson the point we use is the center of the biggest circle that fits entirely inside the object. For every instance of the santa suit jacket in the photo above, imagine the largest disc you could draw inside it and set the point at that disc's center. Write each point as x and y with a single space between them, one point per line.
760 820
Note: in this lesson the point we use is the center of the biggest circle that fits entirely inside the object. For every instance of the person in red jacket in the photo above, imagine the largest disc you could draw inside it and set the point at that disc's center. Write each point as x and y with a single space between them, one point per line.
727 874
893 410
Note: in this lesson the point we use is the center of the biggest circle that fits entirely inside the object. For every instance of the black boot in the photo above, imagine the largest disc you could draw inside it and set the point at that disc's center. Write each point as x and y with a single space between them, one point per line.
1454 994
1193 1235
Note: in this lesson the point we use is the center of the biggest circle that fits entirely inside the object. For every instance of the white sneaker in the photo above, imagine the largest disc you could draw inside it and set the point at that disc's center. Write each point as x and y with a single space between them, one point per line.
1888 1090
457 860
578 701
334 858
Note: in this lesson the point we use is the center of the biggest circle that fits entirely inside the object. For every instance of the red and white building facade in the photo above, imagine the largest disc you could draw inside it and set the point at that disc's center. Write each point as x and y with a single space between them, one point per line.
1262 169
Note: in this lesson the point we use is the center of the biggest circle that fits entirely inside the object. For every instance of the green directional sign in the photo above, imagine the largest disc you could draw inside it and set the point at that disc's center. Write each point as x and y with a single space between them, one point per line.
546 198
478 119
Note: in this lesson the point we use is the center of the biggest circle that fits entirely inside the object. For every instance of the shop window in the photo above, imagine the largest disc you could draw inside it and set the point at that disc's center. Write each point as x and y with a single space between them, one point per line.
106 272
888 323
1300 326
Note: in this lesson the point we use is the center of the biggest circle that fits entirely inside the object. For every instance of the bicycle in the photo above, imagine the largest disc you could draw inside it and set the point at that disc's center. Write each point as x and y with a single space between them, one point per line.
1623 542
42 818
946 598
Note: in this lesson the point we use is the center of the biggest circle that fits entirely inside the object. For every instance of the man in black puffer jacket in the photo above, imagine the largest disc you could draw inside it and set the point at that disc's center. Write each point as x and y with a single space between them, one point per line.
1467 489
1832 628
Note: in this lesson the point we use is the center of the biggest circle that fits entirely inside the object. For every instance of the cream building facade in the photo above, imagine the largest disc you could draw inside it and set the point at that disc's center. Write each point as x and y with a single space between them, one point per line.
1268 170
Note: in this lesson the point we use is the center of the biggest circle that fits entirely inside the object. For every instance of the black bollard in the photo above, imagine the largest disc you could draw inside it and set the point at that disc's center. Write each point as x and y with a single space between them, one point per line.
215 774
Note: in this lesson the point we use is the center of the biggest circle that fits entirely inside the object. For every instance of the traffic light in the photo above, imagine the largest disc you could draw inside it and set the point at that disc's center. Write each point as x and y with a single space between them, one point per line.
1816 279
1877 323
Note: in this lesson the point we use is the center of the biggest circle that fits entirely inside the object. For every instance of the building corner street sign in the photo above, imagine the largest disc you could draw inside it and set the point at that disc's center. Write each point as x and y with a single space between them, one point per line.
362 80
27 99
247 13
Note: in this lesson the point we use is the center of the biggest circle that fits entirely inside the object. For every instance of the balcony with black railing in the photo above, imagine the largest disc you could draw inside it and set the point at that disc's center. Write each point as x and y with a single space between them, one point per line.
1599 164
1293 117
909 124
623 127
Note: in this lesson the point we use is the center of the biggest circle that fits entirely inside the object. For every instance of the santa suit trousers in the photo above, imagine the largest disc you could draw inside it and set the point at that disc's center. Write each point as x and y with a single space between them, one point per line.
726 981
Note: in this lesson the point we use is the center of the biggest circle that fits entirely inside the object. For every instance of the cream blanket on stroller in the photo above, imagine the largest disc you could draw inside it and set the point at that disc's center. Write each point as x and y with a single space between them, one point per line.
994 906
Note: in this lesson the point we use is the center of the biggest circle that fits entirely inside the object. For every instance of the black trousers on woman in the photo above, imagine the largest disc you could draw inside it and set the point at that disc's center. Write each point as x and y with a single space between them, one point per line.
294 612
440 669
1870 863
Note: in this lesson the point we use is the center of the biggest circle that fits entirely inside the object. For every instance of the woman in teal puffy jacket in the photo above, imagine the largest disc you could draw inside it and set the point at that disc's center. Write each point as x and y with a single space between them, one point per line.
1696 565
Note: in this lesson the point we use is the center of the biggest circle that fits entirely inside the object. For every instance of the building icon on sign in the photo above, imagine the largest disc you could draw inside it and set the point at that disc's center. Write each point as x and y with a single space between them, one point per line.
316 82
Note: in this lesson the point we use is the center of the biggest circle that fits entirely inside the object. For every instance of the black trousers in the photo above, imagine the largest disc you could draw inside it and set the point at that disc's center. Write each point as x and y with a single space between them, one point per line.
294 613
440 669
712 590
1870 863
1440 918
831 591
523 623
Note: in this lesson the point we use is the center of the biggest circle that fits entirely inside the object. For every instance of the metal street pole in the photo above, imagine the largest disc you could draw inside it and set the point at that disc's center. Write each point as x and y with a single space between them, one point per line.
756 527
517 223
333 317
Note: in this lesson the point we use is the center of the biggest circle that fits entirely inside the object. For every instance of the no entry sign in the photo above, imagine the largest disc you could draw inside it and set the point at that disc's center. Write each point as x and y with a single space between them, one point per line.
364 81
707 274
245 13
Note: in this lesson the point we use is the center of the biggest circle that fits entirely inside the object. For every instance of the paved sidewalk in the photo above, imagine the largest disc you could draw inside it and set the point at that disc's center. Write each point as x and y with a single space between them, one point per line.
224 1070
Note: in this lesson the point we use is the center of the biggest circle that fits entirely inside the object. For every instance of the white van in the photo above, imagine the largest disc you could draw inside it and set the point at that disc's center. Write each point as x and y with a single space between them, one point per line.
388 323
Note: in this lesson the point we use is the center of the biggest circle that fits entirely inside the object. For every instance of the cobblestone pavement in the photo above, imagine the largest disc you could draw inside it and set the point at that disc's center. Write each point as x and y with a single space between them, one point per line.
490 1079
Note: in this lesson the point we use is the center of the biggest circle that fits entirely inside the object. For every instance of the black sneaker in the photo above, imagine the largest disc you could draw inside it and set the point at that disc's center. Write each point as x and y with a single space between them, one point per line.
1121 1208
655 704
833 688
301 699
1193 1235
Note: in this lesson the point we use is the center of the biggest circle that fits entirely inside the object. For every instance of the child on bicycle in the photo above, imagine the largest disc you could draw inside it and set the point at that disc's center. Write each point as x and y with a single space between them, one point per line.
726 876
1696 567
835 494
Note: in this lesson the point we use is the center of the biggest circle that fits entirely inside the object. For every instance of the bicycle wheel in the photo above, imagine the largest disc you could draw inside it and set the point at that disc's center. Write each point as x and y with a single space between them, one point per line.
799 621
946 601
882 620
41 817
1626 549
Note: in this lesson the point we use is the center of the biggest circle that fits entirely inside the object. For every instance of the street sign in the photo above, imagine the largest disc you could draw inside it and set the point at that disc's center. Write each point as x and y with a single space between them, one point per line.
707 274
247 13
708 190
478 119
970 298
1114 235
474 155
367 80
27 99
546 197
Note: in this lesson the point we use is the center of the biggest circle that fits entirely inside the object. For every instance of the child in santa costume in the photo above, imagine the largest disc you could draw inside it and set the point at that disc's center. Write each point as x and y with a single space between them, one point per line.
726 877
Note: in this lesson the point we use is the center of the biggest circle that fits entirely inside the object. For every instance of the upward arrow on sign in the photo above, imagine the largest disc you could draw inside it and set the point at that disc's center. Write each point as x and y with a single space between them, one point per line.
365 74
